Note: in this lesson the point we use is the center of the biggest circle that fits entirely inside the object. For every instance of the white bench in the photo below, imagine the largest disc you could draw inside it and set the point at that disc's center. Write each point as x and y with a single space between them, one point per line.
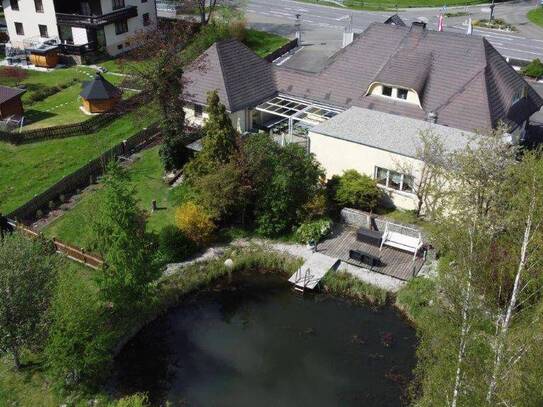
403 242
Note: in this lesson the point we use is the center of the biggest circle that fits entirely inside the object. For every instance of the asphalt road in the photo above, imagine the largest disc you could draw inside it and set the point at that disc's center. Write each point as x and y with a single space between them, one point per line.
322 27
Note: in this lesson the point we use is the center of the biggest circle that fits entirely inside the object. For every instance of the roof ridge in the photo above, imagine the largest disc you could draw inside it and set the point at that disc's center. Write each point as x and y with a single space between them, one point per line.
223 77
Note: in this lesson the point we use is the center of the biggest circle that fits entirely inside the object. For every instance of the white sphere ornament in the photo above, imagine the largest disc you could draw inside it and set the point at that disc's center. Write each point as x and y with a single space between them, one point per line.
229 263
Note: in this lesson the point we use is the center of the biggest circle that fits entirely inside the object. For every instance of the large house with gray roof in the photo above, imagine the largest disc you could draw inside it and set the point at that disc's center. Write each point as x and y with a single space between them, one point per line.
364 110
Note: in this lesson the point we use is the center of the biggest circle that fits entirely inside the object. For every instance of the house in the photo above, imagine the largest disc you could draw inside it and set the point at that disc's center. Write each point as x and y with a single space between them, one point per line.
10 102
99 96
365 109
76 28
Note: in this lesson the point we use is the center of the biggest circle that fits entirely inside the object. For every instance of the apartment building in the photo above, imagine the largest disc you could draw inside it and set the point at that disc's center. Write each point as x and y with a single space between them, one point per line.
78 26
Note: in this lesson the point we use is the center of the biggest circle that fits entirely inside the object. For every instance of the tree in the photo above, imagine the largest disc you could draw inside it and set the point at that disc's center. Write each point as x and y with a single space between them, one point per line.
156 67
428 185
118 234
357 191
27 273
195 223
219 141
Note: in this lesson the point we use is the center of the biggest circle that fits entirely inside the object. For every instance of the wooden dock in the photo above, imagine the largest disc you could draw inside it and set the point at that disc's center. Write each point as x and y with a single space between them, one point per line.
312 271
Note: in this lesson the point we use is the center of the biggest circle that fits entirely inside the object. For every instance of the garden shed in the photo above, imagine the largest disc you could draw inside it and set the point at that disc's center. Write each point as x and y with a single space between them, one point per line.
10 102
99 95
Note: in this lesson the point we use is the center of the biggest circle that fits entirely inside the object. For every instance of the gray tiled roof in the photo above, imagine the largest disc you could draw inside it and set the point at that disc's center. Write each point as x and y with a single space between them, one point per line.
7 93
99 89
241 78
461 78
400 135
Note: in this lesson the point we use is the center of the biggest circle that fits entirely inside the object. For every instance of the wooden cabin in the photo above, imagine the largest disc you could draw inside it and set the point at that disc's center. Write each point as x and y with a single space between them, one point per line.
99 95
10 102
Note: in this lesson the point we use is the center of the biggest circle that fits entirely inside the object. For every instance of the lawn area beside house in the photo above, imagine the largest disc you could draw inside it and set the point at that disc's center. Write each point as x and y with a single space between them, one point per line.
536 16
62 105
392 4
30 169
146 178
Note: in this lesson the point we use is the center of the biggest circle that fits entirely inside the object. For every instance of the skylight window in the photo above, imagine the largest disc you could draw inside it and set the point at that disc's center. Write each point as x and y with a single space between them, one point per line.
402 93
387 91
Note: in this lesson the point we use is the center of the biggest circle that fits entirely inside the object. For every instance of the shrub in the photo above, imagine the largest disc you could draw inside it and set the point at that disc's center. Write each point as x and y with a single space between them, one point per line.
135 400
238 30
534 69
343 284
195 223
357 191
313 231
174 245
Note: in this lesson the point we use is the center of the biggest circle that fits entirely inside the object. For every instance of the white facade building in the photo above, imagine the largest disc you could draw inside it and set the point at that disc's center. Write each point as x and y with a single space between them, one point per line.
79 26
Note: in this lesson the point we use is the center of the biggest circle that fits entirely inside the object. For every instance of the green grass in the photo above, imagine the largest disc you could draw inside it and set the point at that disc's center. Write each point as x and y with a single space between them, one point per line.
29 169
341 283
264 43
146 178
393 4
536 16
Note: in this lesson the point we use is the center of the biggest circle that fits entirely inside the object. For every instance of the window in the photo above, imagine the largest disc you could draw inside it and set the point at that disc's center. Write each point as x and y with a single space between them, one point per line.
43 31
198 110
121 27
387 91
14 4
117 4
144 1
19 29
402 93
146 19
39 6
394 180
120 47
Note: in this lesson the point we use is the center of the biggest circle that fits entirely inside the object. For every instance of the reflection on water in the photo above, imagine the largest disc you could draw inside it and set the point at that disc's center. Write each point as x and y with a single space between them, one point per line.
256 343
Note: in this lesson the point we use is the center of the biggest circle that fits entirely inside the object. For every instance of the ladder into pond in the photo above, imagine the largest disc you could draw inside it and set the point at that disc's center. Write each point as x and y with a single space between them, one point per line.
312 271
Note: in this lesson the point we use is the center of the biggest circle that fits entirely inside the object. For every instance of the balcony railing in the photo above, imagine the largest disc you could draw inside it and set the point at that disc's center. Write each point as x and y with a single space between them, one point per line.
71 49
79 20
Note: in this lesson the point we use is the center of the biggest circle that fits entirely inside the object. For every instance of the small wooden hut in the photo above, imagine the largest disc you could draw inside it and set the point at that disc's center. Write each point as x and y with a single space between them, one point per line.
10 102
99 96
44 55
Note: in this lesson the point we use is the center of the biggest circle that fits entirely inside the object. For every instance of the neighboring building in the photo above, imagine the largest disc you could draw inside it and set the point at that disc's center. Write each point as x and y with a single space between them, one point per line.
99 96
365 109
10 103
78 26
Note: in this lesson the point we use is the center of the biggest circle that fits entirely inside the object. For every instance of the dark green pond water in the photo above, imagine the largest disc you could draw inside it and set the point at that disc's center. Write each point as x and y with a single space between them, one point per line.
254 342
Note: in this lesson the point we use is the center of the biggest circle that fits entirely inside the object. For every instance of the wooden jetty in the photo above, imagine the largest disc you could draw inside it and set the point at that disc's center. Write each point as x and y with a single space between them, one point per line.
312 271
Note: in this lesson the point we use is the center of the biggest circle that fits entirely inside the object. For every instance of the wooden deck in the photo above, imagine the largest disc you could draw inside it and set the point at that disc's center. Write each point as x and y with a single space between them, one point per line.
394 263
312 271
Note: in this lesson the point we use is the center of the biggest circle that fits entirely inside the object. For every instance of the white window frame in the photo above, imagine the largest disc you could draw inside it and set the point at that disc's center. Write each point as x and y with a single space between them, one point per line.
387 187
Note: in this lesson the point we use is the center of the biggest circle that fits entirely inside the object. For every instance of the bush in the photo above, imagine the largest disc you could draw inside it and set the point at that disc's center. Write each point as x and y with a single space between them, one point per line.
343 284
174 245
534 69
135 400
357 191
313 231
195 223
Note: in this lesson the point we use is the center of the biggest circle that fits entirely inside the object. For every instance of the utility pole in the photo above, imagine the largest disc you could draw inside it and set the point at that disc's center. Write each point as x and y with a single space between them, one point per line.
492 11
298 26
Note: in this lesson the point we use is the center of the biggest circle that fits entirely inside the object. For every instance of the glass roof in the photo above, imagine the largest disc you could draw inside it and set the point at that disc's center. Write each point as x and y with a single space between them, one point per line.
298 110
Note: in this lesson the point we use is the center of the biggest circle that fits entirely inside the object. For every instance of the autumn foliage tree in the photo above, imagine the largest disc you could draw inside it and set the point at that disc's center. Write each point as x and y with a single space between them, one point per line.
195 223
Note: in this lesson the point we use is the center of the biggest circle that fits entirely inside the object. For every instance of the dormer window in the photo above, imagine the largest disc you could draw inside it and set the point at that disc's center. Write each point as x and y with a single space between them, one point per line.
387 91
402 93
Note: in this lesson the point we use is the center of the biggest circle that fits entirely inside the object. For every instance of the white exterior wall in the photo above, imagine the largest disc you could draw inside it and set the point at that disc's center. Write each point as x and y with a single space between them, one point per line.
240 120
30 19
412 96
135 24
337 155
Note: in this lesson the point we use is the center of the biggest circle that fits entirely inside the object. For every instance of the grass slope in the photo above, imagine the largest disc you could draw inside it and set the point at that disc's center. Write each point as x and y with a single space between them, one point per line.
146 178
29 169
536 16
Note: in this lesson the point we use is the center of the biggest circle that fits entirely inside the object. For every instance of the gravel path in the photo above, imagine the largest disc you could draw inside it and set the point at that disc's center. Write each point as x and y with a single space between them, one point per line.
296 250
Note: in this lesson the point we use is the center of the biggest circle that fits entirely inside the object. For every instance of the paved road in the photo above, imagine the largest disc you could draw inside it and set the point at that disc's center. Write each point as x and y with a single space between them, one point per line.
323 26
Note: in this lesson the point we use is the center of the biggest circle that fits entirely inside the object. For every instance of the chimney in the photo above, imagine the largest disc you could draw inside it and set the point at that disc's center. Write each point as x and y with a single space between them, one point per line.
431 117
348 34
418 26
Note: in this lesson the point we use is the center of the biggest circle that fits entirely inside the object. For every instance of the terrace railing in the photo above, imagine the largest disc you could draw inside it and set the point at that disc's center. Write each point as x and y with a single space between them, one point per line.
80 20
81 49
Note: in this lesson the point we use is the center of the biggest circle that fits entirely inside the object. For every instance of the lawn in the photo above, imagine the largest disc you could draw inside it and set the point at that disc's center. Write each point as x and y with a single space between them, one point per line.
393 4
536 16
263 43
61 107
29 169
146 178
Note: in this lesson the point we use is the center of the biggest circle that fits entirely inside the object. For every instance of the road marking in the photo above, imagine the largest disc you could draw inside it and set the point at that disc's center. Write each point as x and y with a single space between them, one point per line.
521 52
343 18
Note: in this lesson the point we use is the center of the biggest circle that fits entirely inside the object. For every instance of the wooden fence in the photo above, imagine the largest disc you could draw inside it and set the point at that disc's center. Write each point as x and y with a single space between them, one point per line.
281 51
84 175
72 252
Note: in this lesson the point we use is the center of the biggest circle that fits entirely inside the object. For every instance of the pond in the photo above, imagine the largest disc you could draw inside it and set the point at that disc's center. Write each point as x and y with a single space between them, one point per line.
252 341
